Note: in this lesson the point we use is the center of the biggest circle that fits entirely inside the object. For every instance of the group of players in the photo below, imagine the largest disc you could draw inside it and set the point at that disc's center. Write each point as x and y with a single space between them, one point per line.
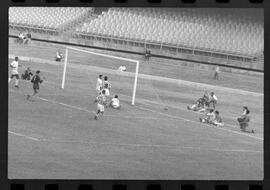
207 105
103 98
28 75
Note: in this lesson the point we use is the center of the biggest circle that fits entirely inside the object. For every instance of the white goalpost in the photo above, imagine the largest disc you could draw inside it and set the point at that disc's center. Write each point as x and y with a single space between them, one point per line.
103 55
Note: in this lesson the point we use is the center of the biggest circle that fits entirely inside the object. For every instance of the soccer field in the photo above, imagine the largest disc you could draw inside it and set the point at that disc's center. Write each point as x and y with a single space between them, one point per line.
56 136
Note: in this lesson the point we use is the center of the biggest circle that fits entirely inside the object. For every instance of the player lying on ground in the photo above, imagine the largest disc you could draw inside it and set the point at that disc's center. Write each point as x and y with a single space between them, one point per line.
205 103
244 120
213 119
36 81
115 103
101 102
200 103
27 74
122 68
14 71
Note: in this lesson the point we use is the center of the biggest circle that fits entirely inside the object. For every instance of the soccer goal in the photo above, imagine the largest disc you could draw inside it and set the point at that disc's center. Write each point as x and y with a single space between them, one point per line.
101 63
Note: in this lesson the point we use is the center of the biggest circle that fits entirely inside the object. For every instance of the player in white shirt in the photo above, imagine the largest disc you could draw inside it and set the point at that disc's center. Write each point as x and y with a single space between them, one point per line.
115 103
99 84
106 86
216 75
14 71
212 99
122 68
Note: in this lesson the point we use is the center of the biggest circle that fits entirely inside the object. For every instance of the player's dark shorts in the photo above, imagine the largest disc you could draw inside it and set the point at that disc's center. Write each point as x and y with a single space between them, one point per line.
15 75
36 87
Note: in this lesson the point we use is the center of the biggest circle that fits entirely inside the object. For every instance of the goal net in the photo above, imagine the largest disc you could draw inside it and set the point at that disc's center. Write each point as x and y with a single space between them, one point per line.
82 67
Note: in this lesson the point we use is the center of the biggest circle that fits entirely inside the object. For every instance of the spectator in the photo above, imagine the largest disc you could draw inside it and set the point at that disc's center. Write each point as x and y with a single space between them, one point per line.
244 120
20 38
147 54
28 38
59 56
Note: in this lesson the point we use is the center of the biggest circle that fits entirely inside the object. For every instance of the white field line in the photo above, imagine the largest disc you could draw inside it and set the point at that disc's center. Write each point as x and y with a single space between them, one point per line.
168 115
152 145
25 136
145 76
178 147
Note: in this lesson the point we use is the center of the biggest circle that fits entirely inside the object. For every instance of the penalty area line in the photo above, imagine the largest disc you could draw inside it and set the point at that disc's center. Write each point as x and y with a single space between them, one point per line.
25 136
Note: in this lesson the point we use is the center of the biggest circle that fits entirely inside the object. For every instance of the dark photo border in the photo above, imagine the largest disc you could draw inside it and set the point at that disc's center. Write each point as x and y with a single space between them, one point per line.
51 184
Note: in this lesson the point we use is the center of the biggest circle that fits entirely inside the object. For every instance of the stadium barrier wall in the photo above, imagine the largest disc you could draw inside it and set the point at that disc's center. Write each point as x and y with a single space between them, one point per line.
158 55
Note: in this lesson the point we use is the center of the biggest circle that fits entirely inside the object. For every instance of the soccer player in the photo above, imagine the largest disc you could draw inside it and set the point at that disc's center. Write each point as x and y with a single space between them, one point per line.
115 103
101 102
212 100
122 68
14 71
209 117
27 74
200 104
36 81
99 84
218 120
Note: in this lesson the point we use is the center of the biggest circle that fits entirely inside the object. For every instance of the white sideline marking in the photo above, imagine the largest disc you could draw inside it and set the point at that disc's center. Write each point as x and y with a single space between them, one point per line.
181 118
154 145
25 136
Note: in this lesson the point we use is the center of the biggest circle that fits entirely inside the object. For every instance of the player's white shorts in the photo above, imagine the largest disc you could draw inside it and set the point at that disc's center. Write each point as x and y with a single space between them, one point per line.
115 105
100 107
107 92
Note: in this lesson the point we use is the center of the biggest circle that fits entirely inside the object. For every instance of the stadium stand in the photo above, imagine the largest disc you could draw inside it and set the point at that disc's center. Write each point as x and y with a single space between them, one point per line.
233 31
41 18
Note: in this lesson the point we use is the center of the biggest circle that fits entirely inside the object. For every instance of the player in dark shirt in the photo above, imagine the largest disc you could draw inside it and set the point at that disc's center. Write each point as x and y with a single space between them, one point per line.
36 81
27 74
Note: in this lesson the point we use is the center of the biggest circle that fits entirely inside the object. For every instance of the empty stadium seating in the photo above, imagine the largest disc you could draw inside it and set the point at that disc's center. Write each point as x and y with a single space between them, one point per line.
45 18
235 31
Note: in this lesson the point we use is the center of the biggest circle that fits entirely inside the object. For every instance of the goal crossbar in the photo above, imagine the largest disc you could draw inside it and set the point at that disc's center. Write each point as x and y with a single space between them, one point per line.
104 55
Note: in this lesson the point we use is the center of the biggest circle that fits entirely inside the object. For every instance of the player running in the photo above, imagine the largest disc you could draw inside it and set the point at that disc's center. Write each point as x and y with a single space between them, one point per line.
101 102
99 84
36 81
14 71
